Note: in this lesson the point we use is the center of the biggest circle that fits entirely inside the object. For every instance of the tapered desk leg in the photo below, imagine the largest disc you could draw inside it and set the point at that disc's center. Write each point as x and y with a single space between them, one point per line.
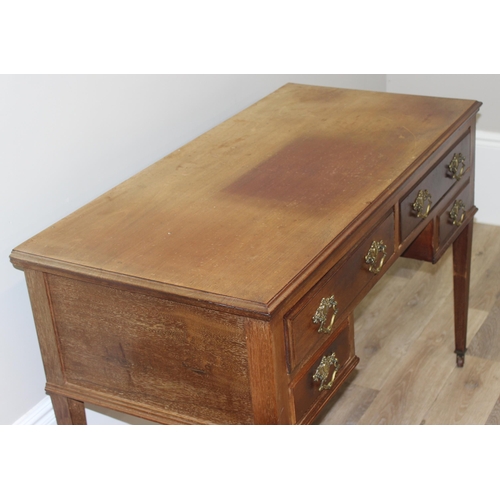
68 411
462 249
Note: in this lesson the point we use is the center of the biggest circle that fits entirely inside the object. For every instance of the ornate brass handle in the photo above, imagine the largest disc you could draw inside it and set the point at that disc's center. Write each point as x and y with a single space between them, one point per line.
419 205
372 256
321 314
323 370
457 208
457 166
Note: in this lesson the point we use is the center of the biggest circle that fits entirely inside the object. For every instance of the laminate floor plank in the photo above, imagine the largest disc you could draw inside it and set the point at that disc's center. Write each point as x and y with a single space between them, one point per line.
381 296
375 304
415 383
469 396
350 404
486 344
485 272
405 268
494 417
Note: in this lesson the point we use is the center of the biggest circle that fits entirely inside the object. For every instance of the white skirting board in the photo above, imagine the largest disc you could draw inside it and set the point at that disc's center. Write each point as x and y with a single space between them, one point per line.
43 414
487 193
487 189
40 414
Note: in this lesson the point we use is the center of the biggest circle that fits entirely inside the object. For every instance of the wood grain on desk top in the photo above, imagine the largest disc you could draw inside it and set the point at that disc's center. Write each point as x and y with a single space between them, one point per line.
242 209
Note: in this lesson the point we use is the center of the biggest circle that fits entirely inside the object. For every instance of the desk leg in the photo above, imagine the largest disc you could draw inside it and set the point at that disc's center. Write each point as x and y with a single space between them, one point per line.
68 411
462 251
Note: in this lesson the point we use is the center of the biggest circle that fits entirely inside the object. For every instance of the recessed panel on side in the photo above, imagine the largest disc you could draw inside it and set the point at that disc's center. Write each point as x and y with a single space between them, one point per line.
162 354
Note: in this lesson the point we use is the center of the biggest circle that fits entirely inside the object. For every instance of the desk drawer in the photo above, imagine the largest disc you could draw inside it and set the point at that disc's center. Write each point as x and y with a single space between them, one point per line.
309 323
451 218
320 379
419 203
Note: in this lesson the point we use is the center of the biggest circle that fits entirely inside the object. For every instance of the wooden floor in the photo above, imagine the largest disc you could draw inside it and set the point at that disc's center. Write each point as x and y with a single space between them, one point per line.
404 339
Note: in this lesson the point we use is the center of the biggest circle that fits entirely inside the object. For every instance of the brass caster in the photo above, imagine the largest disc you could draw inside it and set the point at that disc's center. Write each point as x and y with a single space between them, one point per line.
460 358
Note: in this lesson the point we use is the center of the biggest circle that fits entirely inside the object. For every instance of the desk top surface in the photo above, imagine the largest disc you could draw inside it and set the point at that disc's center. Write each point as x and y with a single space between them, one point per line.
243 209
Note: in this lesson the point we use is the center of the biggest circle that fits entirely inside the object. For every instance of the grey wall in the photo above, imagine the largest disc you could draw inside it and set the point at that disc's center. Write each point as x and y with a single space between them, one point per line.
66 139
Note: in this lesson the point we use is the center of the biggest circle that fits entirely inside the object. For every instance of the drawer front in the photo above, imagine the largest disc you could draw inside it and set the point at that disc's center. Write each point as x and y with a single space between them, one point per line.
454 167
309 323
451 219
325 374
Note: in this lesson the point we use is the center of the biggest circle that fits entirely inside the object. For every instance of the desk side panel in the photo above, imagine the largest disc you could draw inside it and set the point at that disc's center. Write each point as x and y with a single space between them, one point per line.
173 358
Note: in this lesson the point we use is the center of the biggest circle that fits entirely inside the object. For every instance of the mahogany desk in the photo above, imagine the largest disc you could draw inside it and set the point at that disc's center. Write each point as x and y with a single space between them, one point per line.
218 285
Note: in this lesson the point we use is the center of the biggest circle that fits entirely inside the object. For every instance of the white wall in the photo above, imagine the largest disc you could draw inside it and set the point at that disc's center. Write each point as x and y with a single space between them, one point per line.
65 140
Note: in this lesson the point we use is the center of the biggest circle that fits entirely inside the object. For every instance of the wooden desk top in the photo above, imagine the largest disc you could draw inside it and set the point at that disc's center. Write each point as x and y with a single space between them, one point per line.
214 219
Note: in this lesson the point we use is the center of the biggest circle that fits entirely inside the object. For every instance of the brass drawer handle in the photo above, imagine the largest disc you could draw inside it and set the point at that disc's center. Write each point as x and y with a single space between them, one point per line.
457 208
321 314
372 256
457 166
419 205
323 370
